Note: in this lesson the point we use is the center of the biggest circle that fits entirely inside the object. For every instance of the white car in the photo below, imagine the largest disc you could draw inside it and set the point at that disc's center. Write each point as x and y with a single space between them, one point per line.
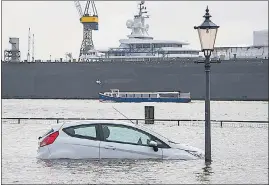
110 140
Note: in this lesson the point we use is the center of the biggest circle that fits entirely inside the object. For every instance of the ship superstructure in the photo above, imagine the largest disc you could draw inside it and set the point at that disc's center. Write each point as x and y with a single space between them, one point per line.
140 44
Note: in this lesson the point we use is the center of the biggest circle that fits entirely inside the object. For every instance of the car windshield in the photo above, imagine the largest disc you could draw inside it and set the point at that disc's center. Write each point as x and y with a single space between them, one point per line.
159 135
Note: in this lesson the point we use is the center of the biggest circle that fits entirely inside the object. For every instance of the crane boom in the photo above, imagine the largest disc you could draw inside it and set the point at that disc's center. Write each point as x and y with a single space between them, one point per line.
78 6
87 8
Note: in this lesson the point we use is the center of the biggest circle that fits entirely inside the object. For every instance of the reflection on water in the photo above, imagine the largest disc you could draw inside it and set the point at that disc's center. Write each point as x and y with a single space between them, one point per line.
206 173
94 165
112 170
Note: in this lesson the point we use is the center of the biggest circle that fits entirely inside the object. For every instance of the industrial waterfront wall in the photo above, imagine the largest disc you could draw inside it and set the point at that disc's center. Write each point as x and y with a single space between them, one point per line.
230 80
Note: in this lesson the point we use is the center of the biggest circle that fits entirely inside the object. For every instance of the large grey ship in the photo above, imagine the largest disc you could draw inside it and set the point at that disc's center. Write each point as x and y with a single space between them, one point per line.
141 63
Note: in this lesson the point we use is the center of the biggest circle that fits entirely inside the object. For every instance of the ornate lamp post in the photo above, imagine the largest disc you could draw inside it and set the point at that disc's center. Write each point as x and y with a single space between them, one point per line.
207 34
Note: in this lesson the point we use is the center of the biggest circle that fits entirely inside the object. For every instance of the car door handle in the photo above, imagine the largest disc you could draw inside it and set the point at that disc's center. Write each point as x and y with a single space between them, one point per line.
110 147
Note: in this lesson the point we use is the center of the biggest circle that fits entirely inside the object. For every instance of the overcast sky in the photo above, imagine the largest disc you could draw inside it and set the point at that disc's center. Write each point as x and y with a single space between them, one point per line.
57 28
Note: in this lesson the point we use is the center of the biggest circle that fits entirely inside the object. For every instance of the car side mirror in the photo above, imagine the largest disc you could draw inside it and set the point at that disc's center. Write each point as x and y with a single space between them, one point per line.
154 144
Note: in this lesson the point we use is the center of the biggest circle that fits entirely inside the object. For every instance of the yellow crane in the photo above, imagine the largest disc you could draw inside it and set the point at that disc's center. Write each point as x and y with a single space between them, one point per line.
89 20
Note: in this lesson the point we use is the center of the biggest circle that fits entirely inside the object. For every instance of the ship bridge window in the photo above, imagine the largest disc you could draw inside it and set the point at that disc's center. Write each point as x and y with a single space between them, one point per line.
168 45
183 52
168 95
146 95
175 52
177 45
142 95
119 54
146 45
136 95
139 46
153 96
158 45
124 95
129 95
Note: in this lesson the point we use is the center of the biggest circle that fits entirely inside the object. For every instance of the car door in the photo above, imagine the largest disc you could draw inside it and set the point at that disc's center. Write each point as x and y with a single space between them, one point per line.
79 142
125 142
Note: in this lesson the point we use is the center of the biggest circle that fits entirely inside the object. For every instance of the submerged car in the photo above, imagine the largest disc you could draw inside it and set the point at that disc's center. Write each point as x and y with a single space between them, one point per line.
110 140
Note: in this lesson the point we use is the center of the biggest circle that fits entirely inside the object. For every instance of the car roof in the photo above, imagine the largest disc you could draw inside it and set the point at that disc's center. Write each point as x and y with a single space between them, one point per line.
116 122
79 122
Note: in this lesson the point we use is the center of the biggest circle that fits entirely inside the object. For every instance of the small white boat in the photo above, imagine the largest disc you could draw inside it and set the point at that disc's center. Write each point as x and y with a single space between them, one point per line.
116 96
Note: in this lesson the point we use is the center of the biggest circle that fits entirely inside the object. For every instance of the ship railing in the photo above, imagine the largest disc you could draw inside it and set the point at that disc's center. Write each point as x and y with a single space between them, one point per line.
168 122
145 59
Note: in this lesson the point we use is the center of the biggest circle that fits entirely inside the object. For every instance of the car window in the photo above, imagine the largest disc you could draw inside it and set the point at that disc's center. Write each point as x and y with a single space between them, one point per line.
86 131
124 134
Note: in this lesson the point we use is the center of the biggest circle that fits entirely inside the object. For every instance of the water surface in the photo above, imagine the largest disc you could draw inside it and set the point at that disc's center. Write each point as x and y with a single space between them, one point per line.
239 153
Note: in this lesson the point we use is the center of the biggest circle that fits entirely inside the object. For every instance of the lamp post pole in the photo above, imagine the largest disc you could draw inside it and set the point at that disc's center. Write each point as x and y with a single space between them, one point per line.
207 112
207 34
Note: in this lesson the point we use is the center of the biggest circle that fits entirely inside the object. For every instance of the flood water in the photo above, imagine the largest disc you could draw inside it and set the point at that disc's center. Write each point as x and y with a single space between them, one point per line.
239 152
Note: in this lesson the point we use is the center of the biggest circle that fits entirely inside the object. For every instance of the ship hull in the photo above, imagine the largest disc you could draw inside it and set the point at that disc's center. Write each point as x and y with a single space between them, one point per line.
230 80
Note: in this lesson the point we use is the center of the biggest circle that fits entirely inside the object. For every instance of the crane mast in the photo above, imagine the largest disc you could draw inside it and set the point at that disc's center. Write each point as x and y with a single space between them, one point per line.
89 20
29 40
33 49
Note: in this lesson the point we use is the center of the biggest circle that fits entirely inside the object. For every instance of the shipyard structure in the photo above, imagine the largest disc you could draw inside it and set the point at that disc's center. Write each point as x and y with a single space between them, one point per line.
140 63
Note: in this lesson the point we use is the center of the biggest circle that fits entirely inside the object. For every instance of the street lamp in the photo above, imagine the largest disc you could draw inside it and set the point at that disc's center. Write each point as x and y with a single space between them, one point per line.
207 34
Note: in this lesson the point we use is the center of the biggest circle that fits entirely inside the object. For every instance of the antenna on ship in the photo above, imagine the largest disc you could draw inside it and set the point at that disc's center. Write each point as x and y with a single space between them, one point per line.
141 8
29 40
33 49
137 25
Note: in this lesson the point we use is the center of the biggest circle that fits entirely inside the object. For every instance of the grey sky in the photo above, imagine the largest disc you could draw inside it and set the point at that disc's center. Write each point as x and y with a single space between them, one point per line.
57 28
